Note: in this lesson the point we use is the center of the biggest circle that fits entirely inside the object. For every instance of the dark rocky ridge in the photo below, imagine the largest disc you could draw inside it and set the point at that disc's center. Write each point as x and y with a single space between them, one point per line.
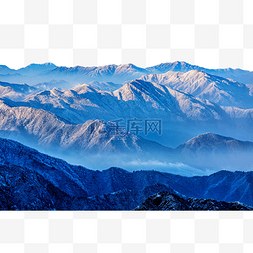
54 184
24 189
170 201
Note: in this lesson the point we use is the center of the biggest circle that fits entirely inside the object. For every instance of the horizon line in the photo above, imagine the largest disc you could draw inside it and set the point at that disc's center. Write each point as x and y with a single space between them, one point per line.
96 66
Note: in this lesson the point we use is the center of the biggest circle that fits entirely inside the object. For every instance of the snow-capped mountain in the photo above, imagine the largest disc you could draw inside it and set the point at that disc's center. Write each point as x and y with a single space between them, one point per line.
213 151
71 113
48 130
135 99
211 142
15 91
205 86
238 113
40 73
127 72
106 86
177 66
165 102
239 75
76 105
36 69
59 84
109 73
31 74
170 99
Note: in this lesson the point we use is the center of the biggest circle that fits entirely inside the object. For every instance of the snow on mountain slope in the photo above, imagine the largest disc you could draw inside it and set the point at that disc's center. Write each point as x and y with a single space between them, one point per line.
36 69
239 75
106 86
15 91
31 74
76 105
129 69
165 102
60 84
135 99
39 73
205 86
211 141
127 72
238 113
109 73
215 151
107 70
250 86
51 132
177 66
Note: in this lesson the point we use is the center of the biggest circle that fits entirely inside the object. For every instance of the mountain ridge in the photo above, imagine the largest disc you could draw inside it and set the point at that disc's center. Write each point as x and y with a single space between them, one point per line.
170 201
54 183
130 72
216 89
79 181
52 131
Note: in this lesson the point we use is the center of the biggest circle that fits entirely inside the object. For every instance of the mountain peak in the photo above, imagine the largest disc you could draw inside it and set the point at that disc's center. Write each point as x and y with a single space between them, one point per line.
182 63
210 135
42 64
171 66
215 143
4 67
128 65
129 68
116 170
206 139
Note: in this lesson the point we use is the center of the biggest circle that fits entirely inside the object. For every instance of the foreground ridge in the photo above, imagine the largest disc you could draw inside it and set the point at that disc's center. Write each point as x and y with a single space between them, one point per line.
171 201
30 180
